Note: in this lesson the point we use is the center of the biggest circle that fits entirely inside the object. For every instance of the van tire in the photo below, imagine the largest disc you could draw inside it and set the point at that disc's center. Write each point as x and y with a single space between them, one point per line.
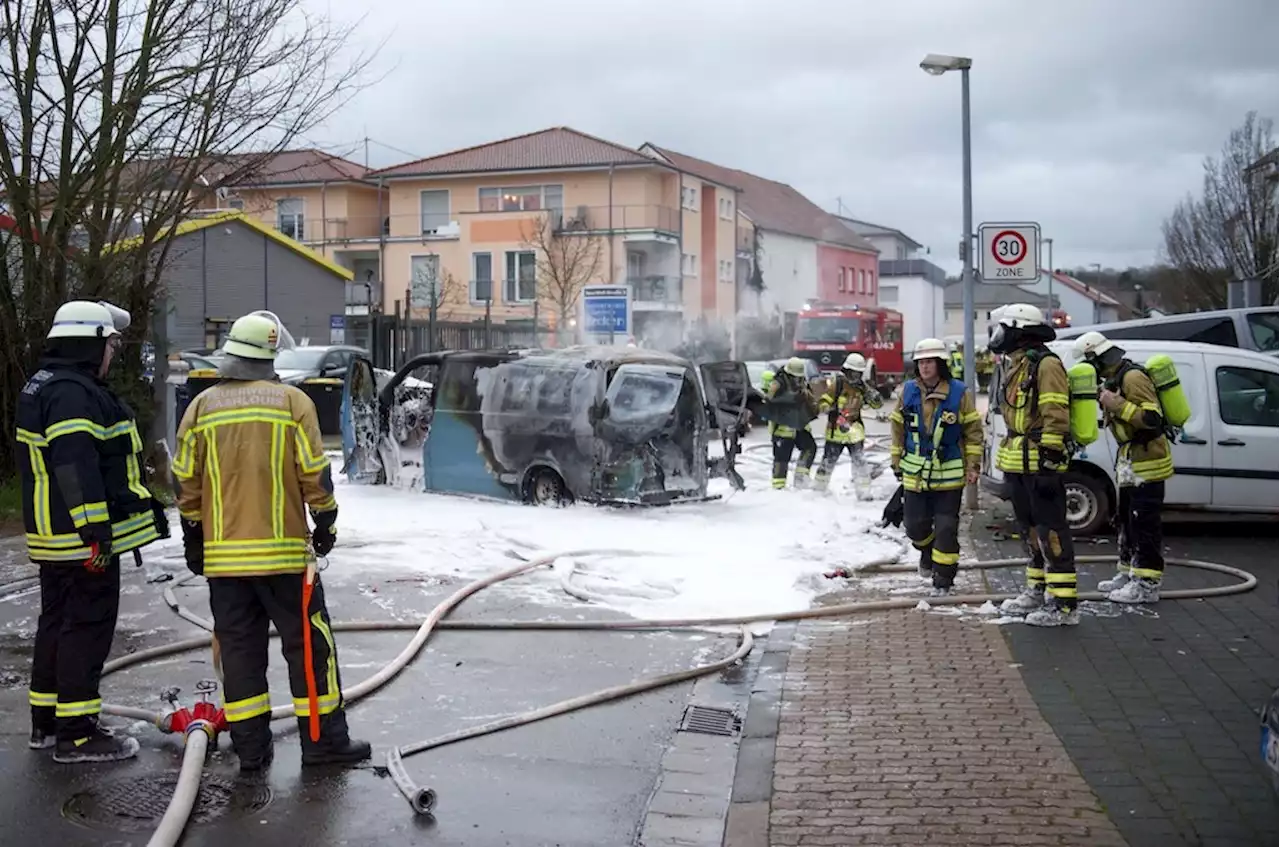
1089 502
544 487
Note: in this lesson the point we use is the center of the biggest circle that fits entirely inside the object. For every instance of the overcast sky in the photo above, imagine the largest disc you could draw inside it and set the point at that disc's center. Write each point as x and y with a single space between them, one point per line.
1091 116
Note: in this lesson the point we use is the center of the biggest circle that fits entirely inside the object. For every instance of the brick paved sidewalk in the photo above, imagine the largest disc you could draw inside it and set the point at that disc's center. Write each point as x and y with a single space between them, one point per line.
917 729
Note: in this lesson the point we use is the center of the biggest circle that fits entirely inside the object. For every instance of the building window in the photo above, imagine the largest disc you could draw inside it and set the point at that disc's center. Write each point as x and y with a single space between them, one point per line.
689 264
726 271
889 295
524 198
862 282
839 279
726 209
871 282
689 198
434 208
424 281
236 203
289 217
481 277
522 275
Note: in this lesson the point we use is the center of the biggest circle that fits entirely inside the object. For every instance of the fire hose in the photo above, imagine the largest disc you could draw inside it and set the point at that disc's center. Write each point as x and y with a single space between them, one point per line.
422 800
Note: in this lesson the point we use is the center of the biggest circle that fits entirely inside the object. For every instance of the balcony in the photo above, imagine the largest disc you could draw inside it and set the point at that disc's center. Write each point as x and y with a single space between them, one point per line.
655 293
363 297
661 220
332 230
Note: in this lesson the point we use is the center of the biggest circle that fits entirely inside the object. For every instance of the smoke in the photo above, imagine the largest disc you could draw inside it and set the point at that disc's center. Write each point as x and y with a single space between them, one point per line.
713 339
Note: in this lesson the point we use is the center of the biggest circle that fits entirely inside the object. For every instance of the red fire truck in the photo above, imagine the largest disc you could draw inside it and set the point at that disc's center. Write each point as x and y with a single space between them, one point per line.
827 333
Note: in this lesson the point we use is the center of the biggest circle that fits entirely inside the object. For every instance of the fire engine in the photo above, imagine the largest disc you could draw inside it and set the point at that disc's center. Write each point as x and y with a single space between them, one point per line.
828 332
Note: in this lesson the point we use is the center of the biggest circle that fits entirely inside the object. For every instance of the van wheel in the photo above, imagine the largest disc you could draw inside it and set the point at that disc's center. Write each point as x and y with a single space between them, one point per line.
546 488
1088 503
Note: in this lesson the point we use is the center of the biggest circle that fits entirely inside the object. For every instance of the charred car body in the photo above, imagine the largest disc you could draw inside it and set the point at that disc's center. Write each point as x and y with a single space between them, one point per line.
596 424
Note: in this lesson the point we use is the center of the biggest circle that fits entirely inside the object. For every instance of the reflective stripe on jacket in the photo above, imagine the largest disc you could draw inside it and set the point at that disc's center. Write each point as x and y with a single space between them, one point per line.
1035 408
78 459
846 426
790 405
1139 427
936 436
250 460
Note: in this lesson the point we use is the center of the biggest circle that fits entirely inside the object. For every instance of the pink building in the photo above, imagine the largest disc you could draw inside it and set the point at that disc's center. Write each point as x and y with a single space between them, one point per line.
847 276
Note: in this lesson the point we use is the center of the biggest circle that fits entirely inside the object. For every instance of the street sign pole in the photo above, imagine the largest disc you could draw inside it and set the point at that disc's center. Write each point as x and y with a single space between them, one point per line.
971 495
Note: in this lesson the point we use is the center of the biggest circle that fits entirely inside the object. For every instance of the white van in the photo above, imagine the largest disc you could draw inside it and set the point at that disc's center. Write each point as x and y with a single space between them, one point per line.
1226 460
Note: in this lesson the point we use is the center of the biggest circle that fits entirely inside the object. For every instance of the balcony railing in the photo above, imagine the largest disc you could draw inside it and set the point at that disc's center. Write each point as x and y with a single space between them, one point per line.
657 289
617 218
316 231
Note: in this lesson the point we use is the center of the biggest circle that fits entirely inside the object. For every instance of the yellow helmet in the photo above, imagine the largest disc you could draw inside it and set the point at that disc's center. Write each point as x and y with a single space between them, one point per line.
795 366
253 337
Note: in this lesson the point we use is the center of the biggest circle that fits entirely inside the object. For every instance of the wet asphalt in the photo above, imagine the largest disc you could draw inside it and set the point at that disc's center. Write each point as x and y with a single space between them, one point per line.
580 779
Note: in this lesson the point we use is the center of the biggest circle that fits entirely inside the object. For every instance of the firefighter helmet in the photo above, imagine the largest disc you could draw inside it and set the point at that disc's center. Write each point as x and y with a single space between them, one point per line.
855 362
929 348
253 337
795 366
1021 315
1090 345
87 319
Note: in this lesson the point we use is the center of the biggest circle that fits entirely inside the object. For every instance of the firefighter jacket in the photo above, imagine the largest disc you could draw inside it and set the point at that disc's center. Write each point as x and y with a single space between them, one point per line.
791 404
936 436
78 457
1034 402
842 404
250 460
1138 425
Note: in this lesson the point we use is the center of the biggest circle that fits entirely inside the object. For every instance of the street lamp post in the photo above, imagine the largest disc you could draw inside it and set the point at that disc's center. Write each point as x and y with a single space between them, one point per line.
937 65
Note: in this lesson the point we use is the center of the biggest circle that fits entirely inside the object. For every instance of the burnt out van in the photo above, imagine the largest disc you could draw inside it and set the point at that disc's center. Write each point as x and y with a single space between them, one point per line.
592 424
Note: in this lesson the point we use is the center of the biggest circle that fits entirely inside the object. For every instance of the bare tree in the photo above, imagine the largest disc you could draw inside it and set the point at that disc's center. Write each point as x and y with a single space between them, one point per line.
566 261
438 294
118 118
1229 232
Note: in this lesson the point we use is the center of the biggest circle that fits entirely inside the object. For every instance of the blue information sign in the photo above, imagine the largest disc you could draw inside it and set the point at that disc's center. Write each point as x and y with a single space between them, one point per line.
605 309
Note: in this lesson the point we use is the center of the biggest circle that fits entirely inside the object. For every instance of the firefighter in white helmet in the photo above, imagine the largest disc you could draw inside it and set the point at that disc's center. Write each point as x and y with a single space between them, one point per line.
83 504
842 404
251 464
791 406
1132 410
1035 403
935 449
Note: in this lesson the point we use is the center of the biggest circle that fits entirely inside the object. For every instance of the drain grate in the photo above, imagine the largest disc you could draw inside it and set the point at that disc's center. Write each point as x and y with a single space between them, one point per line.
709 720
137 803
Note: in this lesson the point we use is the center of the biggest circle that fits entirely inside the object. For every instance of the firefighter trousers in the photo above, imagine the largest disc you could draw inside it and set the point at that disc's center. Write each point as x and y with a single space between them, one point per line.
73 637
784 446
831 451
243 610
932 522
1141 534
1040 508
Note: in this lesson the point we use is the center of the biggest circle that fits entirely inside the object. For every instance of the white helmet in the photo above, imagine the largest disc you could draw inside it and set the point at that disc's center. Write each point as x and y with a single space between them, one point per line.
1091 344
1021 314
855 362
253 337
87 319
929 348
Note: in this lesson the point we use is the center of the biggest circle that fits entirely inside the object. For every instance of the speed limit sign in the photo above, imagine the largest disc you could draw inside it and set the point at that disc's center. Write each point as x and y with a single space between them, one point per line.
1009 252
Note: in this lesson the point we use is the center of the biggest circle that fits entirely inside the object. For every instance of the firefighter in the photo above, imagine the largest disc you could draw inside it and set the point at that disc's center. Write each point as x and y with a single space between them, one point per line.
791 407
83 504
766 380
936 448
1132 410
842 404
1033 455
984 364
957 362
250 464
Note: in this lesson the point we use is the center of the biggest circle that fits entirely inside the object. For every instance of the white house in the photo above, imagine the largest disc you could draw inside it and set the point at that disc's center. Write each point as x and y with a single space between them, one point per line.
909 283
1084 304
987 297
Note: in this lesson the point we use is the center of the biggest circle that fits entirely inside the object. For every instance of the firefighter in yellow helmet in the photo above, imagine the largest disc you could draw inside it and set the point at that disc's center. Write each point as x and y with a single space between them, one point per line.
791 406
956 362
935 449
83 504
250 465
842 405
1132 410
1035 404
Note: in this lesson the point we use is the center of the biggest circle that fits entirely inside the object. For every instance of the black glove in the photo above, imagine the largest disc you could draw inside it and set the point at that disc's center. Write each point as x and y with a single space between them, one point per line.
1052 460
193 545
99 556
324 535
897 474
162 519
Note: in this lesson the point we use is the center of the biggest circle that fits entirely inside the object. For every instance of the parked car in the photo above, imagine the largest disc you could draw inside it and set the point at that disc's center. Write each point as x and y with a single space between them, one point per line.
1225 459
322 362
594 424
1253 328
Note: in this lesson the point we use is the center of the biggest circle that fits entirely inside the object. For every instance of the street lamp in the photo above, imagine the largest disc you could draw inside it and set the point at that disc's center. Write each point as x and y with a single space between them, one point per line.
1048 242
937 65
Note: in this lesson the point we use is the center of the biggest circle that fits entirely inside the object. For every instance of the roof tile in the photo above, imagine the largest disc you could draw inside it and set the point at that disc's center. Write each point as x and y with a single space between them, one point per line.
557 147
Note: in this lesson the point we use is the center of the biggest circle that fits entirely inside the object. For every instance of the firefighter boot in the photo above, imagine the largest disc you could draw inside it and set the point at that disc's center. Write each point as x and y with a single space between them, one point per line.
1122 578
1053 616
1135 591
98 745
1030 600
335 747
251 740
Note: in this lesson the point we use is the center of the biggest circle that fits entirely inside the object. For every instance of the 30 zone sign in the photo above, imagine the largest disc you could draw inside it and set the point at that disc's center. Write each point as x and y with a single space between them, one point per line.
1009 252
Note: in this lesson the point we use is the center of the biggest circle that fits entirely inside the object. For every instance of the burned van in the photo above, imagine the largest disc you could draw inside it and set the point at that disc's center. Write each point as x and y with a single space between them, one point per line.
595 424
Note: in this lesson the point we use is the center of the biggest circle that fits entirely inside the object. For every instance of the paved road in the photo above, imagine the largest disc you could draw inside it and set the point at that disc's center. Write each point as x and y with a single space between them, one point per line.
583 779
1156 707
